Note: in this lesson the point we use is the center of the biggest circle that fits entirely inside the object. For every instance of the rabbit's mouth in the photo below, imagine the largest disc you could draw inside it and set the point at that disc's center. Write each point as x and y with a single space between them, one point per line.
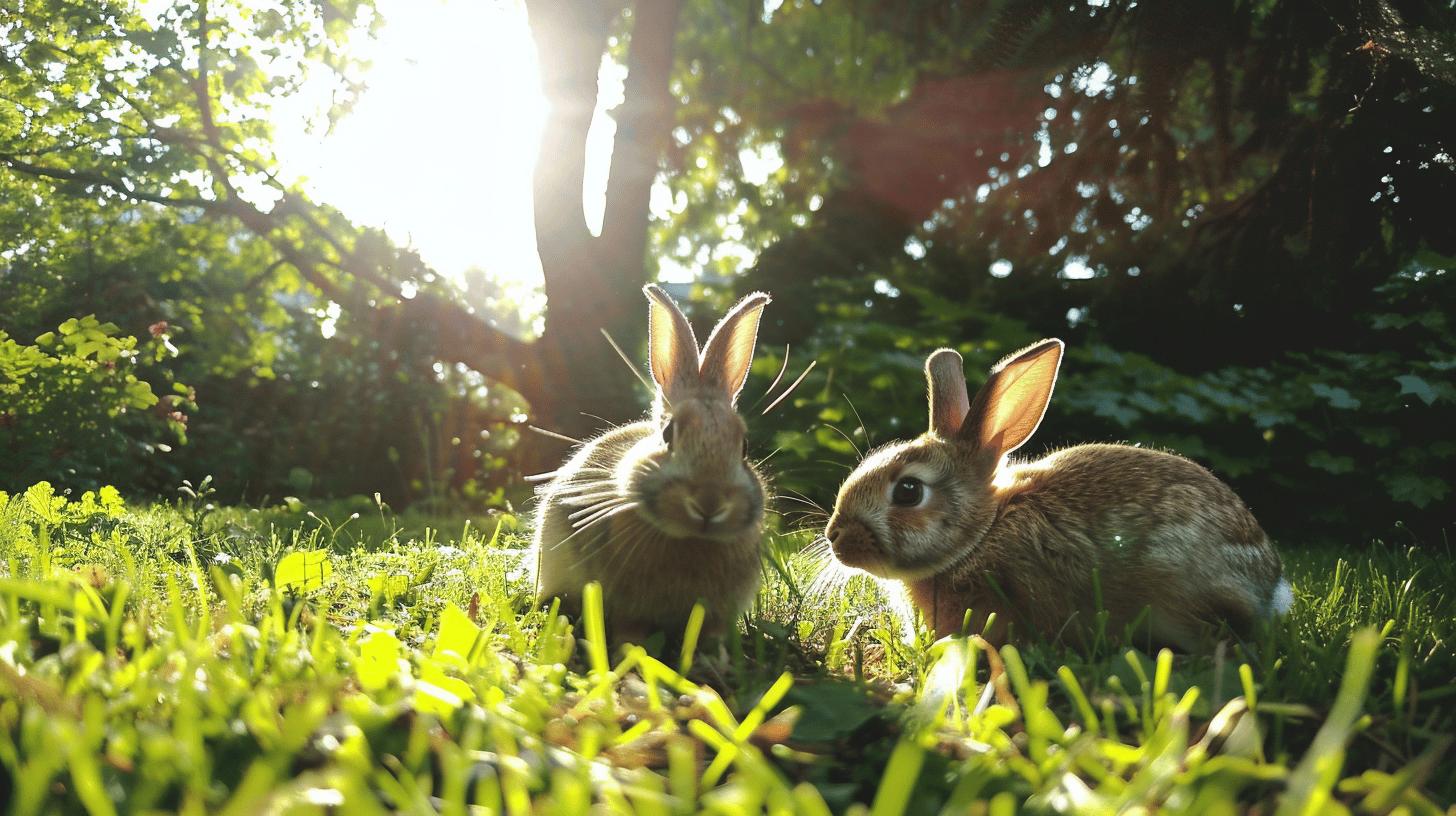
726 521
854 545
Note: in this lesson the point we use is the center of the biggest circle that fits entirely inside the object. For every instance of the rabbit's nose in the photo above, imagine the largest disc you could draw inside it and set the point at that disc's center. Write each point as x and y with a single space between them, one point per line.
707 509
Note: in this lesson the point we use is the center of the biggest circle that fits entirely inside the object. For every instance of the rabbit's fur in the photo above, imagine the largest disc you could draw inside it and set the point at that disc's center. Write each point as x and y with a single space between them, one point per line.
1167 549
667 511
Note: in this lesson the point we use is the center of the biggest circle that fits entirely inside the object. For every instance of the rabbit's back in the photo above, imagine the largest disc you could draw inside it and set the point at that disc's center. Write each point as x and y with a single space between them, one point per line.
1160 531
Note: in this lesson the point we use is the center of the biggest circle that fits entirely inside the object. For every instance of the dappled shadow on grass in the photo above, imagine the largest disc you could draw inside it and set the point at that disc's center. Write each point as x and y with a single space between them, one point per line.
259 659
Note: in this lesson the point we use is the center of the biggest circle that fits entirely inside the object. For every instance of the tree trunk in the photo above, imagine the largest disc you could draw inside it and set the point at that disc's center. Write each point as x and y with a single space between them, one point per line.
593 283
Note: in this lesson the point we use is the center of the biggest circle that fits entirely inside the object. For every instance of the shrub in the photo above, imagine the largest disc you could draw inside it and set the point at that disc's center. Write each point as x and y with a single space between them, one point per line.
72 408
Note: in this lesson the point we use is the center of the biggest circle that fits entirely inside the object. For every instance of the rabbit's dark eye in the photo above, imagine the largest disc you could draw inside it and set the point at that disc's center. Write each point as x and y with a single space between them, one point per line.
668 432
908 492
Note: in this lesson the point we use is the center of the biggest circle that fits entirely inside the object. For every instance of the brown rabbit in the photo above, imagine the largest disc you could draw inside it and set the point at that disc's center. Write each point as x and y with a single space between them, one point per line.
666 511
1173 549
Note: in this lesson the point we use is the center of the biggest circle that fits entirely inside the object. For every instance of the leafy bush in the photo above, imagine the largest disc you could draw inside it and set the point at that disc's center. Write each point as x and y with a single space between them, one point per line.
293 395
73 408
1333 438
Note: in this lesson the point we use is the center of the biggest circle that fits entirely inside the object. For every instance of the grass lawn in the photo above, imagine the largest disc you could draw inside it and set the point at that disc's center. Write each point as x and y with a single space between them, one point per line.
240 661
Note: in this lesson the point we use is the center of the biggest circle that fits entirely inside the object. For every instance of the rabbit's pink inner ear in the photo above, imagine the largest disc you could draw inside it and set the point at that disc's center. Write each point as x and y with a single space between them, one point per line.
945 380
1011 404
672 349
728 354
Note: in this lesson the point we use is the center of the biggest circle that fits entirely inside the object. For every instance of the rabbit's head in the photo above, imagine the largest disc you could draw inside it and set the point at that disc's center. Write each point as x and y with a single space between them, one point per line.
693 477
912 509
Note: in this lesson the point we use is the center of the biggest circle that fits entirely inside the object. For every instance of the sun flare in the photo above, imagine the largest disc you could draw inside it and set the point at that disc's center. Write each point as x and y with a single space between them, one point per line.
439 149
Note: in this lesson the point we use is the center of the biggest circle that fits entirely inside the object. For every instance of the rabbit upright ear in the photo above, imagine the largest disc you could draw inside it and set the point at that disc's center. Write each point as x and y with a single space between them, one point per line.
1011 404
945 380
728 353
672 349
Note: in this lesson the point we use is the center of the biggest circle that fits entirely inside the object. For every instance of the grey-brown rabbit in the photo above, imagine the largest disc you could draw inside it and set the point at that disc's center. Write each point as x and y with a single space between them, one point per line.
1174 550
667 511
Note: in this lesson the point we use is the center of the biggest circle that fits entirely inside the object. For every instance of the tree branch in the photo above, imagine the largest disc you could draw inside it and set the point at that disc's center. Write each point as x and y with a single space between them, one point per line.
463 338
86 177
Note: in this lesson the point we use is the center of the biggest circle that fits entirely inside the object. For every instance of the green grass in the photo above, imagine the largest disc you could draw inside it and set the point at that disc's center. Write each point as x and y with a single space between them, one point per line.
177 659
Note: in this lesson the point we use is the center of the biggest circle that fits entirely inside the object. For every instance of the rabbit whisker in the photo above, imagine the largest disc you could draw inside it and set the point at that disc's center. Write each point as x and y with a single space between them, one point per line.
582 526
583 486
817 553
830 581
775 384
760 462
865 432
821 585
804 522
573 534
795 495
583 499
857 451
584 470
623 555
831 576
554 435
580 499
808 502
798 493
590 508
610 424
790 389
590 552
607 513
631 366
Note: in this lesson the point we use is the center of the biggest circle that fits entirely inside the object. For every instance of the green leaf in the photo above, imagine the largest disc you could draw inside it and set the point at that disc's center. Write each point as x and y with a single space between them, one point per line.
381 659
1336 396
1411 384
389 587
456 637
139 395
43 501
440 694
832 711
1308 788
1326 461
1189 407
1417 490
111 501
898 782
305 570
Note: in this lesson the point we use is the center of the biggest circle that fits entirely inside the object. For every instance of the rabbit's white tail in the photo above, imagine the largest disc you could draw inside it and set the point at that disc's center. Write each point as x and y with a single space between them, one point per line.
1281 599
